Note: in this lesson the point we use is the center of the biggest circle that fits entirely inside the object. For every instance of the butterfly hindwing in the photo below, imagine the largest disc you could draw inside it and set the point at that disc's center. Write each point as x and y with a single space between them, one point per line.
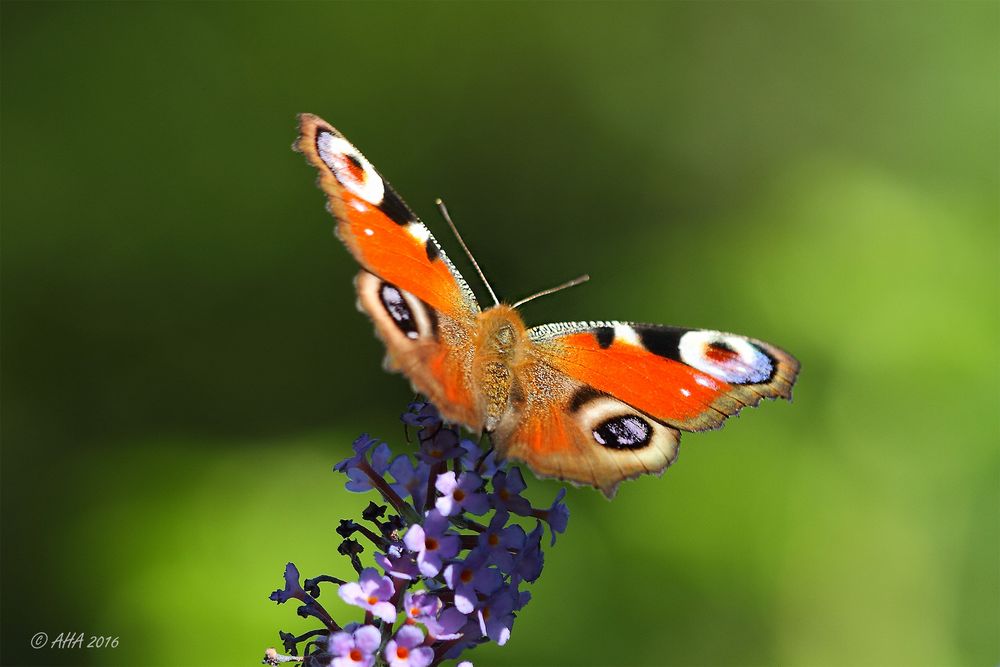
691 379
433 349
563 428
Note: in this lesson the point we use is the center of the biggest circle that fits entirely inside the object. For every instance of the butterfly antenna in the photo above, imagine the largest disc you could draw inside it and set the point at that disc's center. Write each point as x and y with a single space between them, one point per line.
552 290
454 230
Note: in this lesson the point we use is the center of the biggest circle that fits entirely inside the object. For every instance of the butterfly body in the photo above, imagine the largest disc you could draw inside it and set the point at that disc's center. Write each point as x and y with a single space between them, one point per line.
501 356
590 402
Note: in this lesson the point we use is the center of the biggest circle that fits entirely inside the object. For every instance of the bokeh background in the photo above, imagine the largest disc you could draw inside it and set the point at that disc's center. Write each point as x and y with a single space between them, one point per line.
183 363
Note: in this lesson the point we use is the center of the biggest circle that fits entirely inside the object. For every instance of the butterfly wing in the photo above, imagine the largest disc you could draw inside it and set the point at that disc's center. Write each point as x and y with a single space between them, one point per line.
378 228
615 395
422 308
692 379
563 428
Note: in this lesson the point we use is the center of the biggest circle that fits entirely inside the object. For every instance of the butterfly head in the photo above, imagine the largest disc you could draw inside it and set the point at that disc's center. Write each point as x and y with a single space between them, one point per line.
501 332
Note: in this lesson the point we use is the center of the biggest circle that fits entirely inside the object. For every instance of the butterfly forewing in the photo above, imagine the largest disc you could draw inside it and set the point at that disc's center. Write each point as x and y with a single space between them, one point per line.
691 379
378 228
422 308
566 429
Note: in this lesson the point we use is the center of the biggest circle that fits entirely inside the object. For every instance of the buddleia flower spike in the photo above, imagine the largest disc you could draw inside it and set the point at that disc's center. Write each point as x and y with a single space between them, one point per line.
450 564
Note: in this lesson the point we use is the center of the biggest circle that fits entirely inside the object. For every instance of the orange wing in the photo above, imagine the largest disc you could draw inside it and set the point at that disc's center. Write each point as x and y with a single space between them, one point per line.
434 350
378 228
422 308
602 402
691 379
563 428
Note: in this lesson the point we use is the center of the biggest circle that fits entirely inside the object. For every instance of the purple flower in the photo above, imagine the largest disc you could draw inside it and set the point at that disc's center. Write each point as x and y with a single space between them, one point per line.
460 494
529 561
411 481
437 442
355 649
439 445
497 541
432 543
380 458
447 625
361 446
358 480
457 582
521 598
420 606
404 650
474 460
557 516
507 488
496 616
469 576
397 564
420 415
371 594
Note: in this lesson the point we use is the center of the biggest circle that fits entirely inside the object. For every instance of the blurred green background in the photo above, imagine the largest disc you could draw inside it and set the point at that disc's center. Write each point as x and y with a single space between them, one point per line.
183 363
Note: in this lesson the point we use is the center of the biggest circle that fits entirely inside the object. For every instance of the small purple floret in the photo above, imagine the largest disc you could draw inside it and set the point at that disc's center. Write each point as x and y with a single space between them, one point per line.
474 459
358 480
440 446
461 493
421 414
469 576
496 616
557 516
507 488
411 480
355 649
404 650
447 625
529 562
497 541
372 594
421 606
361 447
432 542
398 564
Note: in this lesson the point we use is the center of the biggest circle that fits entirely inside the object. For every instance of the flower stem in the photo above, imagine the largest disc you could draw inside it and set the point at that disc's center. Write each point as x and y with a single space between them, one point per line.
436 470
